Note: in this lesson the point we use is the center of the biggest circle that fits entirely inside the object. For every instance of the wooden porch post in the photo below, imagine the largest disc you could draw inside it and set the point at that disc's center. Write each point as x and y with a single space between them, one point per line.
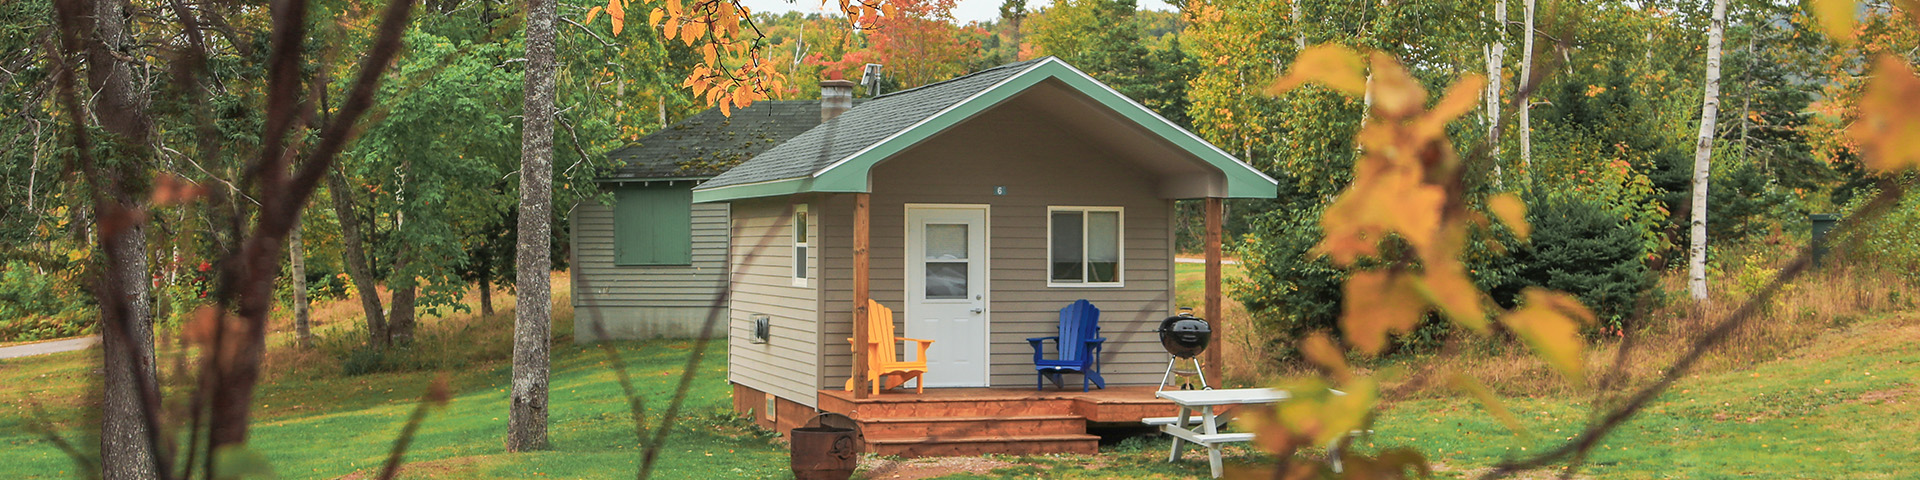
1213 291
860 242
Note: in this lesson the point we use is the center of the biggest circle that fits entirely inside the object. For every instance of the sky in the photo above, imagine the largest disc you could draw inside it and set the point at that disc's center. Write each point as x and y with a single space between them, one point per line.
967 11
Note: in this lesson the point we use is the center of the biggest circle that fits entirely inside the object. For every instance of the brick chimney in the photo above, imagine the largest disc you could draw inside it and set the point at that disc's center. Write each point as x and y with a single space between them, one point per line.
836 97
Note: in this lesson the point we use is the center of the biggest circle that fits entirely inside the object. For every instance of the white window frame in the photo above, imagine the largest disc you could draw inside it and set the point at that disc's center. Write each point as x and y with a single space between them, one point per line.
1120 234
802 245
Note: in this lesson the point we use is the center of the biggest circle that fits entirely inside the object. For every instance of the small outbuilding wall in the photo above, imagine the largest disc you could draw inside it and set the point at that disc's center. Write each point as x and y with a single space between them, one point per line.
633 301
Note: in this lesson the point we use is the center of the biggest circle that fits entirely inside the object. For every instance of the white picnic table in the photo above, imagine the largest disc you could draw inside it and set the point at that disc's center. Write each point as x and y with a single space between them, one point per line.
1206 432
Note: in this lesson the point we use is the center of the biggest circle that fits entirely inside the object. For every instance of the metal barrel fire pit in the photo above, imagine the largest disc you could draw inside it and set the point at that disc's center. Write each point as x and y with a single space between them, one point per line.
1185 336
827 448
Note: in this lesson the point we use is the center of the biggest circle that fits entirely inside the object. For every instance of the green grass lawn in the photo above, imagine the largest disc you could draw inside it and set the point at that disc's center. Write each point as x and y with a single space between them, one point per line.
332 427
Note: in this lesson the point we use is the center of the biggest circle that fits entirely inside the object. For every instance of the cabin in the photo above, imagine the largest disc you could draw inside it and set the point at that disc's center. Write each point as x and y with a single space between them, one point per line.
651 263
974 208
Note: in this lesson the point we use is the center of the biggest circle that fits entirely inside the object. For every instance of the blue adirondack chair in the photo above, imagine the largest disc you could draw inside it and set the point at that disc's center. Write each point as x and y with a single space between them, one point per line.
1079 346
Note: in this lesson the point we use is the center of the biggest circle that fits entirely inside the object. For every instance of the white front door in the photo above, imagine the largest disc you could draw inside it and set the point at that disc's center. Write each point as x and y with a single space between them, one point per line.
947 291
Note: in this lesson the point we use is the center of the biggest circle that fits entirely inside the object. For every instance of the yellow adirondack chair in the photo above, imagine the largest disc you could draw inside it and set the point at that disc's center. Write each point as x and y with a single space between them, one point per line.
882 360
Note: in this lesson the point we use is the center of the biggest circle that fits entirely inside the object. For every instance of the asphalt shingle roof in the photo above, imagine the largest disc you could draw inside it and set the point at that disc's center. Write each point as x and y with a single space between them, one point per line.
708 143
864 125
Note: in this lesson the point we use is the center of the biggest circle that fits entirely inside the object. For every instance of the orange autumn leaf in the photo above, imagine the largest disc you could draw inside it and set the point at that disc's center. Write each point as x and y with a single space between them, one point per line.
1889 125
170 189
592 14
1335 66
1549 323
617 15
1378 303
1511 211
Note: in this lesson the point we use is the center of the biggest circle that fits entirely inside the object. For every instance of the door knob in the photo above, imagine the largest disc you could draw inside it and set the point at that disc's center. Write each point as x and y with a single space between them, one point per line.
978 310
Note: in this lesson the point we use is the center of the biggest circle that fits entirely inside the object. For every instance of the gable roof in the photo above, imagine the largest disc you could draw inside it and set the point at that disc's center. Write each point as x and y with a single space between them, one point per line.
836 155
708 143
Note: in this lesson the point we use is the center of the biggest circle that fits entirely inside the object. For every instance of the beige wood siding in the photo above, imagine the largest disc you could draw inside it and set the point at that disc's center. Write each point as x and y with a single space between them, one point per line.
1041 165
762 281
645 301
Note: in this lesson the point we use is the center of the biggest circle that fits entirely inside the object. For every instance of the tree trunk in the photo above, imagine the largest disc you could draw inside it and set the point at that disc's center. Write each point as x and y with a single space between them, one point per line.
119 102
1299 29
405 289
486 297
1526 107
1496 67
125 448
1702 158
297 262
527 417
354 254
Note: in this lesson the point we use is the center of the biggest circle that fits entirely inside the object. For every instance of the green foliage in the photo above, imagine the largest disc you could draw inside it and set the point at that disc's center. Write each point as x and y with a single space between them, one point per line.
37 305
1892 241
1108 40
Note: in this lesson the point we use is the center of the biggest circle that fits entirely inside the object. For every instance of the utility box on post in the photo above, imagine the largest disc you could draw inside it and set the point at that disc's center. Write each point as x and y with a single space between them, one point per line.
1822 224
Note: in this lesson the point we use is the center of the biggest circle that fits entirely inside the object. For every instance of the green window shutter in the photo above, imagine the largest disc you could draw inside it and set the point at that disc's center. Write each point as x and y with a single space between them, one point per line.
653 225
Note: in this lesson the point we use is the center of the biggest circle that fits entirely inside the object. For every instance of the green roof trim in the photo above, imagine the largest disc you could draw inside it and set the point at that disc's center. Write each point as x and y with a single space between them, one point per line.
850 174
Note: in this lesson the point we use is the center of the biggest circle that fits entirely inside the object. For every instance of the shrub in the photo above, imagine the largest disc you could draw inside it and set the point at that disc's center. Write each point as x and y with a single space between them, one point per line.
1288 288
1580 247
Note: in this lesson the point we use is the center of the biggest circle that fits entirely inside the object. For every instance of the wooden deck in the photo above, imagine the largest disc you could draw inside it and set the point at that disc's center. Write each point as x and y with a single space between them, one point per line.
975 421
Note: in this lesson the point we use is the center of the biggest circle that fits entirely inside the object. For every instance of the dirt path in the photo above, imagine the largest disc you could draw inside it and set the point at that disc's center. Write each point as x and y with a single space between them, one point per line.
53 346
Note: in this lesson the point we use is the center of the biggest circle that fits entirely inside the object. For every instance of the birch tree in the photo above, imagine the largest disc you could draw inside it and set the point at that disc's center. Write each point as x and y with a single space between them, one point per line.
297 263
1496 58
533 315
1526 74
1702 158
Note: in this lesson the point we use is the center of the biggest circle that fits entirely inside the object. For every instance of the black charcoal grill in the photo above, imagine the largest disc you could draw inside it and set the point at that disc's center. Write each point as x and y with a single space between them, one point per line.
1184 336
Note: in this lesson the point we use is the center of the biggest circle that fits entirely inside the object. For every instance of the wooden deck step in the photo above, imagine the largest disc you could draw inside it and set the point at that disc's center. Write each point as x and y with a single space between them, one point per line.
912 447
1026 425
936 407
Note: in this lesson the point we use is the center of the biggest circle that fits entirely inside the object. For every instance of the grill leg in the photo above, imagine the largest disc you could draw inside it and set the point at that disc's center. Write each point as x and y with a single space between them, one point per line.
1202 372
1169 374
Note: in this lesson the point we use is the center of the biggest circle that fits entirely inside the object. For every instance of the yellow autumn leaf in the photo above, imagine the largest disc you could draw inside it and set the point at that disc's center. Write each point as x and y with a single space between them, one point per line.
1549 323
1446 284
671 28
1321 415
1335 66
1888 131
1320 350
1511 211
1836 17
1377 303
654 18
1461 98
592 14
1466 383
1396 94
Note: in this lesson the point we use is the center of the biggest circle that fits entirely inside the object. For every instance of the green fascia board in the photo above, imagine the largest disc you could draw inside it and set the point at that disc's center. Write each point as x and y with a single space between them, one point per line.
851 174
771 188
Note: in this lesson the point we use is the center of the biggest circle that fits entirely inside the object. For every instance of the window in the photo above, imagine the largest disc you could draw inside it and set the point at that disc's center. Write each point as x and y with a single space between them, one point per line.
1084 246
800 245
653 224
